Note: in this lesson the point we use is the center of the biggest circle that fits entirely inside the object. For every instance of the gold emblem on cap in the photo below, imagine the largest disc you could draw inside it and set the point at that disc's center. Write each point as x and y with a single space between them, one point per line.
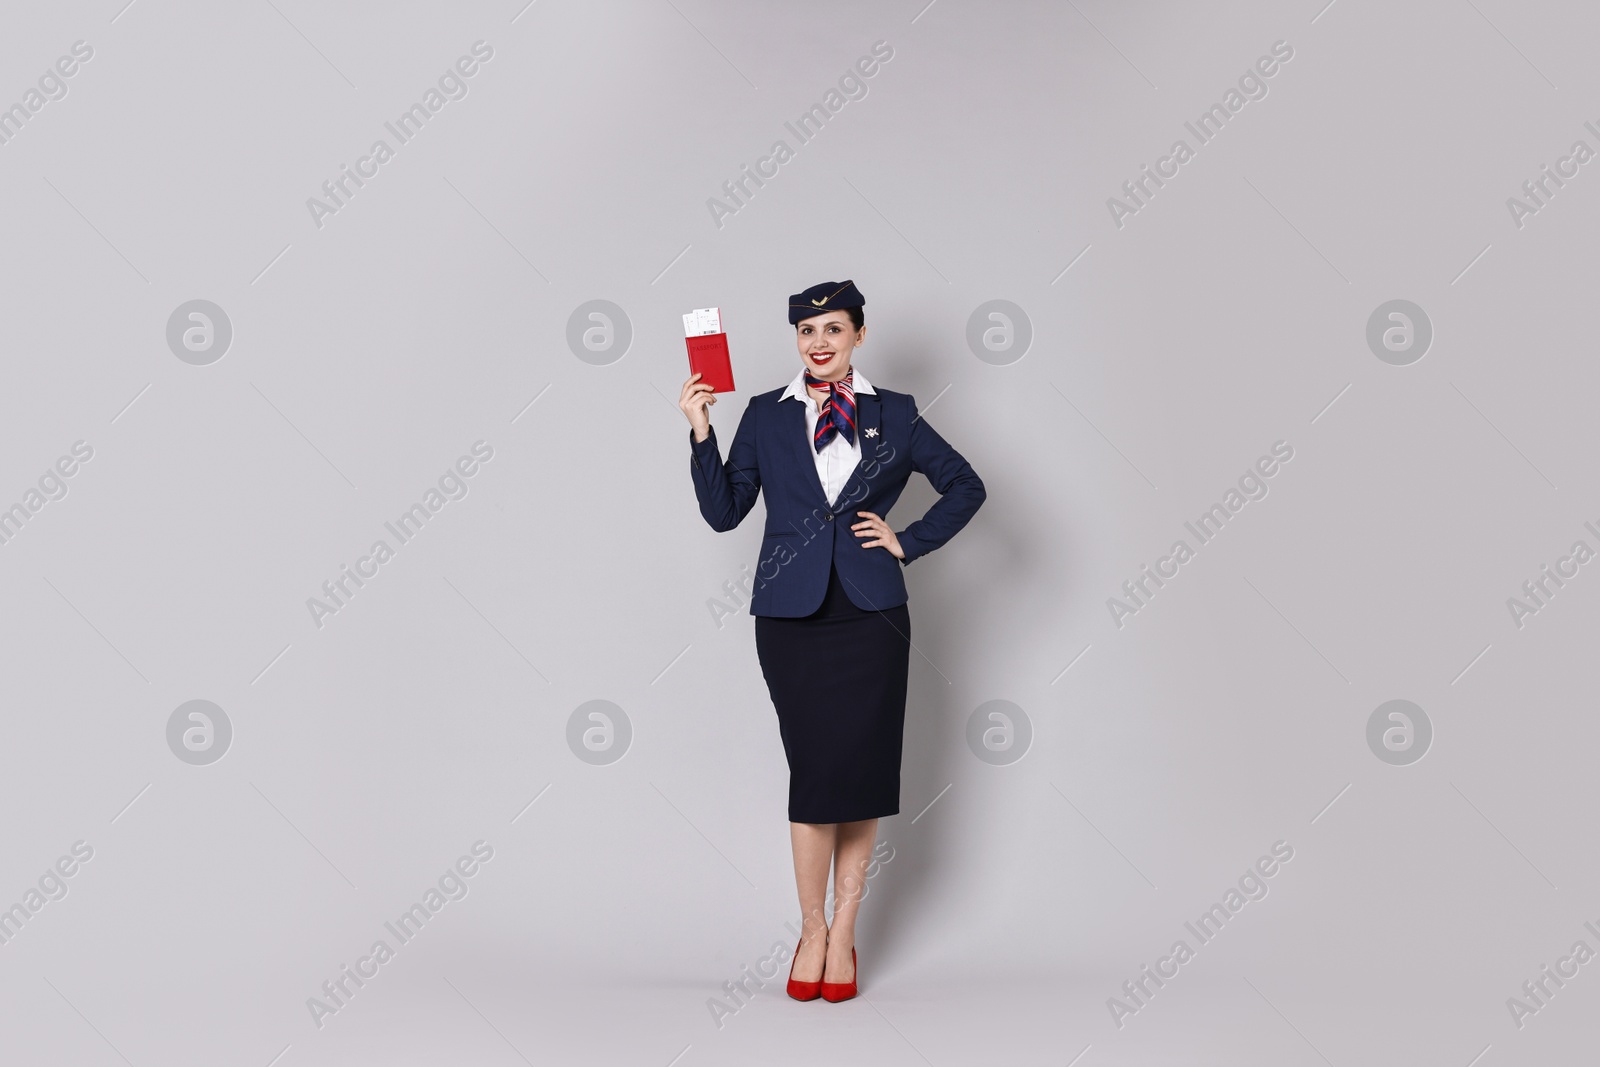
830 296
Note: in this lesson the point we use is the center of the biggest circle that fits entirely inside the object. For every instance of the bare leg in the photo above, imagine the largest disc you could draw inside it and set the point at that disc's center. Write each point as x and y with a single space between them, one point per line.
853 854
813 845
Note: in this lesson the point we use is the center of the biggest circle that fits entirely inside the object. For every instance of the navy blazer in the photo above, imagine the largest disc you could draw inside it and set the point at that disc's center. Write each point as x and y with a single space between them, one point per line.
805 532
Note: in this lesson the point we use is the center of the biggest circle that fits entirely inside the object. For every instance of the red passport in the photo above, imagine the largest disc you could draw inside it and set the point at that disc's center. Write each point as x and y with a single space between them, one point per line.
708 349
708 356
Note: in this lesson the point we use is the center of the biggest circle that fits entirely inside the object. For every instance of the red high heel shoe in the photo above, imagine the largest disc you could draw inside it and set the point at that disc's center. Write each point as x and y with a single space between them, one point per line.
802 990
833 992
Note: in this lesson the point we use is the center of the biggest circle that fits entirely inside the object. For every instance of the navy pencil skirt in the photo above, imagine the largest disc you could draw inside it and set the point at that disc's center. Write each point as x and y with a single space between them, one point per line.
838 681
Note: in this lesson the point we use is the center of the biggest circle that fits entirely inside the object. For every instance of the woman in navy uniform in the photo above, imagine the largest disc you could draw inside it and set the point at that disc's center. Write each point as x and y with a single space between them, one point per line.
832 454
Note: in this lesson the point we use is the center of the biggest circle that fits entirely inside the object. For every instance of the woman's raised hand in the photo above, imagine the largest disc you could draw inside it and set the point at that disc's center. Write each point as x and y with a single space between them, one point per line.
694 401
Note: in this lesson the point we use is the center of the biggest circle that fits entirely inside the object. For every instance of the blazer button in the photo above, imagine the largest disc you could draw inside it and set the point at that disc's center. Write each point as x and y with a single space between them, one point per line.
829 516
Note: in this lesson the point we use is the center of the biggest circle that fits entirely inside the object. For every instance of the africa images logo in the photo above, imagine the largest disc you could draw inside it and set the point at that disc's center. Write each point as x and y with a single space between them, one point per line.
452 885
1252 486
52 486
852 86
1252 85
453 485
1251 886
452 85
52 85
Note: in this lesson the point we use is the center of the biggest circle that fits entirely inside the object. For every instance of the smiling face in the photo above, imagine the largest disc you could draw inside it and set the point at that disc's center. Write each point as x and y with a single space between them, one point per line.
826 342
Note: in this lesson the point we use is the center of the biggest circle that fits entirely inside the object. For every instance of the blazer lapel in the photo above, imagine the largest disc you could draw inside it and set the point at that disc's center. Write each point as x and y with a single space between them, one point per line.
869 435
869 415
799 446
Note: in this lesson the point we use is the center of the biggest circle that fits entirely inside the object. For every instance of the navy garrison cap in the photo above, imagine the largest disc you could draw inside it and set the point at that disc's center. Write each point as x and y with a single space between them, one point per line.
828 296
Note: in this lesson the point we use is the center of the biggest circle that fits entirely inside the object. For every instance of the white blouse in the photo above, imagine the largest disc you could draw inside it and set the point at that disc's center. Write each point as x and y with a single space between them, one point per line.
838 458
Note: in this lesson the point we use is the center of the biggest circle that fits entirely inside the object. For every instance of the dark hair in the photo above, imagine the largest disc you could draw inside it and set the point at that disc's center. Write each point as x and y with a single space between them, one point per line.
856 318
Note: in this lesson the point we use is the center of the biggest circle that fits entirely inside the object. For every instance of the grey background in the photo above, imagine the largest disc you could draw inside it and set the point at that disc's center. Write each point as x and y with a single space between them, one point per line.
369 354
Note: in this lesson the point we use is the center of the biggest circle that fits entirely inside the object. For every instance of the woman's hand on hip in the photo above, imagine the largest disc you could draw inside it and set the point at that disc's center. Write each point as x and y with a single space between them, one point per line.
696 396
874 527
